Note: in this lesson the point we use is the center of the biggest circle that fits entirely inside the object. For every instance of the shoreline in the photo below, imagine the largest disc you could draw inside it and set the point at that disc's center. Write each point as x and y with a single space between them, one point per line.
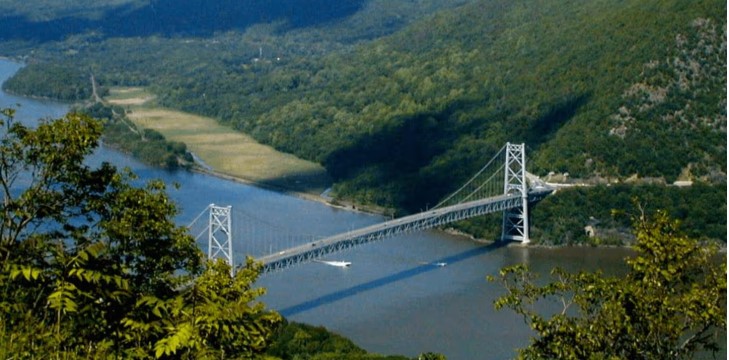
238 179
202 168
70 103
281 190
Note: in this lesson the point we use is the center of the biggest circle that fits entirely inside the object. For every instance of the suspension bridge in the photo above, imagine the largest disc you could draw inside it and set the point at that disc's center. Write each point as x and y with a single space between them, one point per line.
500 186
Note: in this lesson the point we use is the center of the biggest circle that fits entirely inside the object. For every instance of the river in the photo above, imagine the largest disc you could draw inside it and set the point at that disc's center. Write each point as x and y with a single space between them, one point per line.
392 300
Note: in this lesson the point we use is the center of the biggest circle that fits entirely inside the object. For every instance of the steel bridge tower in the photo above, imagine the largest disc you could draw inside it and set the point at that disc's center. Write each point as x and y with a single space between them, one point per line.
220 234
516 220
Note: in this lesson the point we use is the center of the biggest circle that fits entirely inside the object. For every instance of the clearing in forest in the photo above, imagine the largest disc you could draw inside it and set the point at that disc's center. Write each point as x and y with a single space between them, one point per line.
225 151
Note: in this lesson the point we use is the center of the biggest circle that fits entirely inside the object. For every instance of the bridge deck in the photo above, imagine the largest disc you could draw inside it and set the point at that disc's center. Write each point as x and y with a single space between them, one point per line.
417 222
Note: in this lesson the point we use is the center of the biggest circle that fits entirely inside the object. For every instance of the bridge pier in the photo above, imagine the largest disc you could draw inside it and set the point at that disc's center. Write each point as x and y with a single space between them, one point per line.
220 235
516 220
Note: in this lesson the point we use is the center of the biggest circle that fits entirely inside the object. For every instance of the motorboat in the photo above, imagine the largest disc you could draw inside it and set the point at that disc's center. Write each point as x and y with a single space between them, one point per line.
335 263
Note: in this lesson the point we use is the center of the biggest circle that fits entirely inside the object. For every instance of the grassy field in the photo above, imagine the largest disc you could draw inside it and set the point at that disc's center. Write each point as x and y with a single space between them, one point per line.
224 150
130 96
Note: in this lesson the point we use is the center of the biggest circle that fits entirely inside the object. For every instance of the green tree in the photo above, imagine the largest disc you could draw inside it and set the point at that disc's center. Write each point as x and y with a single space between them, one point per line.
93 265
213 318
669 305
431 356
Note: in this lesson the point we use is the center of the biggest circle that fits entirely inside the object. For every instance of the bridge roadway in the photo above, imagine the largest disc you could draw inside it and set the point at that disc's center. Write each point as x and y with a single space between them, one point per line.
417 222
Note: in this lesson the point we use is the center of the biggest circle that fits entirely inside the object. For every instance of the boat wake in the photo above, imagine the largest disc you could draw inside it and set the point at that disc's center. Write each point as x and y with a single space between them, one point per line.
438 264
335 263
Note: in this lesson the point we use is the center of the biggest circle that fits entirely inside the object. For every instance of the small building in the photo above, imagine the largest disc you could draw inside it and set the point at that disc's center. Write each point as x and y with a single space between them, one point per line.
590 231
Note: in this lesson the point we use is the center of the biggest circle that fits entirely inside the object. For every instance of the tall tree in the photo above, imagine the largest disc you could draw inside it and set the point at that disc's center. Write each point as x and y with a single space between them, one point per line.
670 304
92 264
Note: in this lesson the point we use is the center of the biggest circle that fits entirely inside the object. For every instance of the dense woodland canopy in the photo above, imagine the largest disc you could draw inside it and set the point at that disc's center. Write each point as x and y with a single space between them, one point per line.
402 101
42 20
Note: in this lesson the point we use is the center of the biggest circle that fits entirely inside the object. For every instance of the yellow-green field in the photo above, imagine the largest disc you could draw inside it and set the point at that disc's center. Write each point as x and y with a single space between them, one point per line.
130 96
223 149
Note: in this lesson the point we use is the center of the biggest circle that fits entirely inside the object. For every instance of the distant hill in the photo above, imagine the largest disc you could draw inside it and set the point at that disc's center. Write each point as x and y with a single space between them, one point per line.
40 21
44 20
45 10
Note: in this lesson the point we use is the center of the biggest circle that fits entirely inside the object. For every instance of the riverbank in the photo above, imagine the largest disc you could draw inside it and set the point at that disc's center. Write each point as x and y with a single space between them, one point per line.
228 153
37 97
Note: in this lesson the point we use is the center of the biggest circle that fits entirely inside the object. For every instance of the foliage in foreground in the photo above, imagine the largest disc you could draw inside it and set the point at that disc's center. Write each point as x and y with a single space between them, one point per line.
671 304
92 266
301 341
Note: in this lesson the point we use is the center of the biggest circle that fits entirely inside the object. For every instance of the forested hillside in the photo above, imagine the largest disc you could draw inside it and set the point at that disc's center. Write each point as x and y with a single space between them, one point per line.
41 21
52 20
402 101
595 89
51 81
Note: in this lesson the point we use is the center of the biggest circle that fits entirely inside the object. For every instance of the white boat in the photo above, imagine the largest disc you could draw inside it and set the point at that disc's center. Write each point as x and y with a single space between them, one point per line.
335 263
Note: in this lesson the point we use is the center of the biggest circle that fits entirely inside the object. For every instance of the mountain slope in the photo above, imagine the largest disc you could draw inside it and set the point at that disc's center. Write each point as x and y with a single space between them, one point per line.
42 21
604 89
403 119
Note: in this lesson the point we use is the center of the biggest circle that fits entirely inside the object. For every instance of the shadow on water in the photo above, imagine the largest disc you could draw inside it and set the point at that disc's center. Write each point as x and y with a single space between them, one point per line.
390 279
310 182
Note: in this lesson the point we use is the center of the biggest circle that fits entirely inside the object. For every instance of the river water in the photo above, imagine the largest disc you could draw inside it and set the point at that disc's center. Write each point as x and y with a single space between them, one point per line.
392 300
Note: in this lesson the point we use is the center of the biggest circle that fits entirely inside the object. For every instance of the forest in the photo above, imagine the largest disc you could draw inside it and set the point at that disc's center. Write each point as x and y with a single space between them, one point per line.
51 81
403 102
563 219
